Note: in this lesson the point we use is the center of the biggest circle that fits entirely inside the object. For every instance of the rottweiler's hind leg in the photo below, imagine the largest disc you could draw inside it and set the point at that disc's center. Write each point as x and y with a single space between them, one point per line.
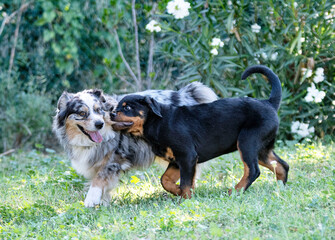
248 149
273 162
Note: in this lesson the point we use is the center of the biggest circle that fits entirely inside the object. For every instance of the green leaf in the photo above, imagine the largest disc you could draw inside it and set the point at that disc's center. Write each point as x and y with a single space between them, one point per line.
230 21
296 41
39 146
48 35
49 16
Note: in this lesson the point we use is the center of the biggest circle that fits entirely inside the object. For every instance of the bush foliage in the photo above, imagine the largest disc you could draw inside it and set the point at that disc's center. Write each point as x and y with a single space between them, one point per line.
72 45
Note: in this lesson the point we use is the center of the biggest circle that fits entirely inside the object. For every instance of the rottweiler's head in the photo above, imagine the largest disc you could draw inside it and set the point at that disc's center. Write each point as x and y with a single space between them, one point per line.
132 112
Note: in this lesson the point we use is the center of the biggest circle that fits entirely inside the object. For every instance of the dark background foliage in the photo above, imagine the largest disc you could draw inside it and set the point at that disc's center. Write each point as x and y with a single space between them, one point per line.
72 45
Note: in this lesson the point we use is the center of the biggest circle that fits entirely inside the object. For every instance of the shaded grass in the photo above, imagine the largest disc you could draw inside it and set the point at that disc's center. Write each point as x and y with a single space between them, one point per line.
41 197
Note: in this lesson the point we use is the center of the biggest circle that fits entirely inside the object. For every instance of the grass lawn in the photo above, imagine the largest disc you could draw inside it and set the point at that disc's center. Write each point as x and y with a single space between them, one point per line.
41 197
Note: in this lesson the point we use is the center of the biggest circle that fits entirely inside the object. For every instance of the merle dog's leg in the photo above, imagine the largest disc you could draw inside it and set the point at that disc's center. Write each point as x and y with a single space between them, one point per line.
105 180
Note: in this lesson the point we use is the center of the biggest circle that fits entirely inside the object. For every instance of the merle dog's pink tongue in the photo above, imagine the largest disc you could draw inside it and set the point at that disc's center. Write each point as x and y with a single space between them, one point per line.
96 136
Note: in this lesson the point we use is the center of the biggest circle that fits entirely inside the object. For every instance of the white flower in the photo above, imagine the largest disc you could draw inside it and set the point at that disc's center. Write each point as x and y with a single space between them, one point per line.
255 28
327 16
319 71
313 94
319 75
306 72
319 96
178 8
153 26
216 42
295 4
0 7
304 131
274 56
301 129
318 78
273 163
309 98
214 51
264 55
295 126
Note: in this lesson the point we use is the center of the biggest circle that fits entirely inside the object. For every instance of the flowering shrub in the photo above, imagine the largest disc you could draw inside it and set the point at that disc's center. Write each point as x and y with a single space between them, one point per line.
125 46
215 41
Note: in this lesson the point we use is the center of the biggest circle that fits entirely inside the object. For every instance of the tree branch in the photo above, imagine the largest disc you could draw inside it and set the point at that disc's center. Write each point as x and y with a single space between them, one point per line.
151 52
16 34
123 58
150 60
7 152
8 18
139 82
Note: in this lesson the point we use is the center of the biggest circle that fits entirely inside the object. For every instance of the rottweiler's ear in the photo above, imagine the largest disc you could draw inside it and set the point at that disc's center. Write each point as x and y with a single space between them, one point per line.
154 106
63 100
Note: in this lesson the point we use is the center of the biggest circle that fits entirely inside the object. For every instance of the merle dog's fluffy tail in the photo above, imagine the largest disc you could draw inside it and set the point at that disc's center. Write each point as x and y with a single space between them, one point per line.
199 92
275 96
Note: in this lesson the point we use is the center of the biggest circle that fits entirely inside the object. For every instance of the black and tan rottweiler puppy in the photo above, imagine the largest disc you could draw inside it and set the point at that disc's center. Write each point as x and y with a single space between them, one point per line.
188 135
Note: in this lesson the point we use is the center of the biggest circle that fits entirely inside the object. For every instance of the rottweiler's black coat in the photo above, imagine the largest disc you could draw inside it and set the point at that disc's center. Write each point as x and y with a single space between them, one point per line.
188 135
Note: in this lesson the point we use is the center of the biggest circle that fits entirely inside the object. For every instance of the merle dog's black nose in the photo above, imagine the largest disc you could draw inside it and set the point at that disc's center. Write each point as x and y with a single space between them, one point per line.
99 124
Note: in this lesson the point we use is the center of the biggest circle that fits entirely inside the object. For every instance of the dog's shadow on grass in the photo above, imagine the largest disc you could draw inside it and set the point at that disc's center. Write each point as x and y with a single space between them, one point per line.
161 196
202 193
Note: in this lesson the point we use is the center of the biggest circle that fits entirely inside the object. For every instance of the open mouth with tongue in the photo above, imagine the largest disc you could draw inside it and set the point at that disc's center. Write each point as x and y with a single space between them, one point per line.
94 136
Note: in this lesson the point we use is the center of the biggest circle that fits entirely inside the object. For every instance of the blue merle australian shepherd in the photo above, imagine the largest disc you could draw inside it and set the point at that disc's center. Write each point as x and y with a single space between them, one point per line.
83 126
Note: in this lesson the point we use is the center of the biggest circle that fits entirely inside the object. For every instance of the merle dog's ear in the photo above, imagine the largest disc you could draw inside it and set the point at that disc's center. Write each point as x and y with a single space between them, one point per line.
63 100
154 106
99 94
110 103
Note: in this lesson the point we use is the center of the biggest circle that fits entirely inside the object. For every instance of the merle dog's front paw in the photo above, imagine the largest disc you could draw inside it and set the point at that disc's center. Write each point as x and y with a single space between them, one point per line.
93 197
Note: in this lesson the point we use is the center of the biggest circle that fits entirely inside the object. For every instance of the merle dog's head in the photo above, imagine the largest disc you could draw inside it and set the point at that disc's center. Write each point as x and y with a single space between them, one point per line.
132 112
80 117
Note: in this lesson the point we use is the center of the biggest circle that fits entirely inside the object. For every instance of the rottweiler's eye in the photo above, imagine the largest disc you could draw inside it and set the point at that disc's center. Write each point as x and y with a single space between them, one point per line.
127 108
82 113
